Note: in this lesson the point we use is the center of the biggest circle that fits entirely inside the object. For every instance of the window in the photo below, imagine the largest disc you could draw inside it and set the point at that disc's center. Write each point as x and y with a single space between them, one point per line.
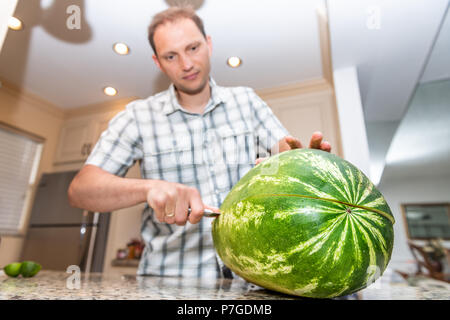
427 221
19 161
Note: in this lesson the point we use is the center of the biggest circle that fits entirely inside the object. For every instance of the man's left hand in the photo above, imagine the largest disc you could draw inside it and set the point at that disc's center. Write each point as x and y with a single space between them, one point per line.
290 143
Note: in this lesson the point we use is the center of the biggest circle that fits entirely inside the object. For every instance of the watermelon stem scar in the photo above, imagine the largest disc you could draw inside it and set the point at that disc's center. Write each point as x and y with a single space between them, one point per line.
384 214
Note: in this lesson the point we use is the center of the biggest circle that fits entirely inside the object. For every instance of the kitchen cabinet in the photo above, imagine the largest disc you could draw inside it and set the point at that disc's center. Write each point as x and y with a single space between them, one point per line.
302 111
79 136
74 141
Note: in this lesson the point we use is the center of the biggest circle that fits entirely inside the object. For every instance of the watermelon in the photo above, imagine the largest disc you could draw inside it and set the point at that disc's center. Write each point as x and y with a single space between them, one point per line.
305 222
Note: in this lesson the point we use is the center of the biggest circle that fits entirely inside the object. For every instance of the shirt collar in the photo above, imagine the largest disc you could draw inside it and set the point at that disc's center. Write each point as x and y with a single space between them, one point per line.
171 104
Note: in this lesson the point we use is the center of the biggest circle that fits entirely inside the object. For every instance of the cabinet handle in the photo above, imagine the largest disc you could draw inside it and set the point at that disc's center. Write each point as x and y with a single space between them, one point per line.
88 148
83 149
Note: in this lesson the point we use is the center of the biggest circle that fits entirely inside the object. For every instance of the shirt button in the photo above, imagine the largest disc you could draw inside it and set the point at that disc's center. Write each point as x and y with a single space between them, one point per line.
216 191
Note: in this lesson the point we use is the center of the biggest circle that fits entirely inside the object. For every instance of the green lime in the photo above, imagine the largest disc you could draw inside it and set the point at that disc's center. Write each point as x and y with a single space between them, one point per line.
13 269
29 268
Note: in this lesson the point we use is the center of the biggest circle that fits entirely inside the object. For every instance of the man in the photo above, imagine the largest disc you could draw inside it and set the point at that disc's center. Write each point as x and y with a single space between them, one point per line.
193 141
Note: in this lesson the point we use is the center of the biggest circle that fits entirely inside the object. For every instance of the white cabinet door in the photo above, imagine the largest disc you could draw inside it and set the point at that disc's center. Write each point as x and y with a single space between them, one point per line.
302 115
79 136
99 124
73 141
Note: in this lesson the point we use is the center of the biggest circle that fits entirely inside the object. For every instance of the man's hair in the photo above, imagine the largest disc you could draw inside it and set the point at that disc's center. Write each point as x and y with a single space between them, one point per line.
170 15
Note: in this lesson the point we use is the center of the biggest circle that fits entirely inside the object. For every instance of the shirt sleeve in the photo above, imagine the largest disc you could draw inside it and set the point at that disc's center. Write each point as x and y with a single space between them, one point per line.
267 128
120 146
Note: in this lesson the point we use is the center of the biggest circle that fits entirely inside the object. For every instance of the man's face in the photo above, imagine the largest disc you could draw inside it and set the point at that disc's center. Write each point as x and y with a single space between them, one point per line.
183 55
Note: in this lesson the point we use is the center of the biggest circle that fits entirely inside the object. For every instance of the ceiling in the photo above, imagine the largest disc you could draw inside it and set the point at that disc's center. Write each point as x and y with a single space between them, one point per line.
278 42
71 67
411 46
438 65
389 59
421 147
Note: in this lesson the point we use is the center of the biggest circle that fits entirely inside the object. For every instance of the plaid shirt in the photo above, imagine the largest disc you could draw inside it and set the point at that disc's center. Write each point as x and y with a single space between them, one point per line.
209 151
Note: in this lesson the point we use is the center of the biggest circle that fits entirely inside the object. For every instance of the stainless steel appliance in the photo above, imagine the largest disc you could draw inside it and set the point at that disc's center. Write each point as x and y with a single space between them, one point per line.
59 235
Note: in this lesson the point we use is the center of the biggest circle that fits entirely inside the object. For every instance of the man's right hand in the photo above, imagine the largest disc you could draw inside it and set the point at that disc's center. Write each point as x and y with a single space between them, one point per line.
171 202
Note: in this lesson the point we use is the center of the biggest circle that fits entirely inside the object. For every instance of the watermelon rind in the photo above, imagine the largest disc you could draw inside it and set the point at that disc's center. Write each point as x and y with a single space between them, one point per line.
314 227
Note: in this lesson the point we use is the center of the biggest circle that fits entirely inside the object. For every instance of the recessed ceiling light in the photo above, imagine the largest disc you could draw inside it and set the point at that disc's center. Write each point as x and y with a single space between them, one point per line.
121 48
234 62
15 24
110 91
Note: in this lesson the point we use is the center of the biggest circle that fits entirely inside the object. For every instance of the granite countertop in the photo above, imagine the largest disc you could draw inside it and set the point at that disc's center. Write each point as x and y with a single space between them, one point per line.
57 285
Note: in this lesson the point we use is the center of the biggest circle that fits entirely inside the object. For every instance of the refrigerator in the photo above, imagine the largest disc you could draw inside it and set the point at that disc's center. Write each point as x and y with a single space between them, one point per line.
59 235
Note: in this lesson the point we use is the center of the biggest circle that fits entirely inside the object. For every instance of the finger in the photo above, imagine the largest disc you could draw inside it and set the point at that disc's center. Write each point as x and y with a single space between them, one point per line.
197 207
259 160
316 140
157 202
170 207
293 143
281 146
325 146
181 209
160 215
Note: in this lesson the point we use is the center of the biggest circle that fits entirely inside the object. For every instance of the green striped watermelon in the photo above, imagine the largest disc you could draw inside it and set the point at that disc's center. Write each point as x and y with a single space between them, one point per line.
305 222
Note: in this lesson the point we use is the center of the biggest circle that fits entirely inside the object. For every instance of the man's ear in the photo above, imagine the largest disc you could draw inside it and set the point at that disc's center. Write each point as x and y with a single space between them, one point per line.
209 43
156 61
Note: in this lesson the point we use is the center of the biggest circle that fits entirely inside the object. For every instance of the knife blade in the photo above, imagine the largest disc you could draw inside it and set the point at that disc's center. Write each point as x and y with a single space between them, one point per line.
207 213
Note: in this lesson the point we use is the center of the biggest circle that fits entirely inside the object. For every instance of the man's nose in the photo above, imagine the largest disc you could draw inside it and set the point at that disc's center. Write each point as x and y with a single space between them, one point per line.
186 62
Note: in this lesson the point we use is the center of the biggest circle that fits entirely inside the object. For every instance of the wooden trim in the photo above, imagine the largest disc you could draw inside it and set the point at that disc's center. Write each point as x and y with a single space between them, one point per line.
338 148
427 204
102 107
31 192
22 132
405 221
32 99
131 263
300 88
310 86
325 44
61 113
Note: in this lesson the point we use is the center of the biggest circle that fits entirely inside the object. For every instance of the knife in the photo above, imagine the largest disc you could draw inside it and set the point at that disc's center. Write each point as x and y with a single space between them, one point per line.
207 213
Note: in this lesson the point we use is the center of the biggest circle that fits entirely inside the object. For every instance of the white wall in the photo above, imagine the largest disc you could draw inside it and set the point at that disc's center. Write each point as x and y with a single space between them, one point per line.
351 118
411 190
34 115
379 136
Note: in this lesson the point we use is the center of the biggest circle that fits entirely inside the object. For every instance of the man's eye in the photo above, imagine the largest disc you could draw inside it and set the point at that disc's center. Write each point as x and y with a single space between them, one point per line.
194 48
169 57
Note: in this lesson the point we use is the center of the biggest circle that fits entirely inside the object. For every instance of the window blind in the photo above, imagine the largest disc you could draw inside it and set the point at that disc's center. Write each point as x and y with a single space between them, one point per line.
19 161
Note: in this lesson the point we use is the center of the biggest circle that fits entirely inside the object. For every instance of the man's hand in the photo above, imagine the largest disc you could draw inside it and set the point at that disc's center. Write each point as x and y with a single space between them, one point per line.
171 202
289 143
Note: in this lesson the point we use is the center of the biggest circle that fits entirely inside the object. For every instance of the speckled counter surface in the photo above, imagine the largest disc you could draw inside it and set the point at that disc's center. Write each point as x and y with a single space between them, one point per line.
51 285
